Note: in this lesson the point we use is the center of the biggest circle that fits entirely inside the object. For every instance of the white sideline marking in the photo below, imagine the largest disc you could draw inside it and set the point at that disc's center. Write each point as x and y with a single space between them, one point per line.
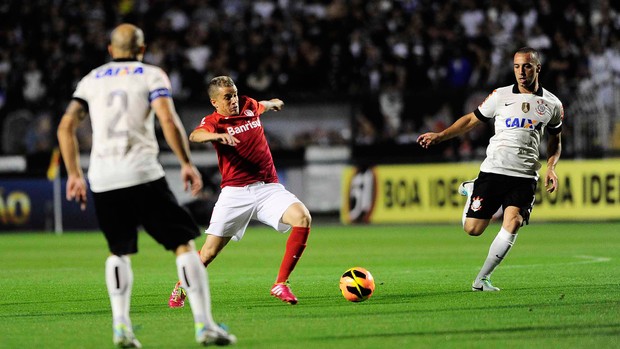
594 259
585 260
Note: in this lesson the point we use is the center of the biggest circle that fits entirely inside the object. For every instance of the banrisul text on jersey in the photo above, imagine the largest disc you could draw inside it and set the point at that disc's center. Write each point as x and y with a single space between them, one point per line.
243 128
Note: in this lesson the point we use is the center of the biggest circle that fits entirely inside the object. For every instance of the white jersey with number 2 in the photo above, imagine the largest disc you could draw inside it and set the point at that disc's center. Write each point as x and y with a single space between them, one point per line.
124 146
519 120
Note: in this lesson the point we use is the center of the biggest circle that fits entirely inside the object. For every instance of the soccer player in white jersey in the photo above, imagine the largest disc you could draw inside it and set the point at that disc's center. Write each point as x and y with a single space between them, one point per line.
508 176
127 181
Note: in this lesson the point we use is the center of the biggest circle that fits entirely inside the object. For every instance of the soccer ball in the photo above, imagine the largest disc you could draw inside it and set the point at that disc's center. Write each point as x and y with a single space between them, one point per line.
357 284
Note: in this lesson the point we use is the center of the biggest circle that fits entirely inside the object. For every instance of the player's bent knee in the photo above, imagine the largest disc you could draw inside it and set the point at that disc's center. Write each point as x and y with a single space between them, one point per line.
305 220
512 222
473 229
297 215
474 232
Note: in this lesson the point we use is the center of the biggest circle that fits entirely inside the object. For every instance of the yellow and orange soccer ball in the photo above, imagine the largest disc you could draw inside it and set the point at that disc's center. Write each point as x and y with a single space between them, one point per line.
357 284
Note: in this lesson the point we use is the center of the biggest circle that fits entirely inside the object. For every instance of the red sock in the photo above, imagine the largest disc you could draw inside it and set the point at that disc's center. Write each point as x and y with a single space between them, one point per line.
295 246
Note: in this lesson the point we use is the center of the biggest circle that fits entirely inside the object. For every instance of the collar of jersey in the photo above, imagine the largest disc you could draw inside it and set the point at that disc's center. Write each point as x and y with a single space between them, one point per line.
228 119
124 60
539 92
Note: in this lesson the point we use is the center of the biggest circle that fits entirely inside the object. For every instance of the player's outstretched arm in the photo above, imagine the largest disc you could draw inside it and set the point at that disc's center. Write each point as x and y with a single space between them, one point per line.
69 148
203 136
459 127
177 140
272 104
554 149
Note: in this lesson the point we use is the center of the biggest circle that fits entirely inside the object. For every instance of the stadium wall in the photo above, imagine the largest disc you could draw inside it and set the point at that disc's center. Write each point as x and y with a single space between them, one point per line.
588 190
28 204
425 193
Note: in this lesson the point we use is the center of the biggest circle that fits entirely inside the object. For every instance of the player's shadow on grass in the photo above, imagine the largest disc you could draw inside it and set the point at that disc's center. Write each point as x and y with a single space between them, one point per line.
57 314
574 330
65 300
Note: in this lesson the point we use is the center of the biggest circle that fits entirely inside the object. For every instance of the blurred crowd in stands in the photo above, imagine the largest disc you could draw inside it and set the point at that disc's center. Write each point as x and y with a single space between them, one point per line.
403 66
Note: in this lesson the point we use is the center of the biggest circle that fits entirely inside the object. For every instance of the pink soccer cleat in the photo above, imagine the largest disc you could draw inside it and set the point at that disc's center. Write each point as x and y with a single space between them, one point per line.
177 298
283 292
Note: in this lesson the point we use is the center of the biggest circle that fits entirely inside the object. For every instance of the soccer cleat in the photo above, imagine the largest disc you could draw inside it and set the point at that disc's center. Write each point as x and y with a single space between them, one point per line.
466 188
124 338
177 298
218 336
483 285
283 292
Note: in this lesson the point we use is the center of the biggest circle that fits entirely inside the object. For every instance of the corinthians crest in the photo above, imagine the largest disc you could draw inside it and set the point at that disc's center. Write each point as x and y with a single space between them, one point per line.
525 106
476 204
540 108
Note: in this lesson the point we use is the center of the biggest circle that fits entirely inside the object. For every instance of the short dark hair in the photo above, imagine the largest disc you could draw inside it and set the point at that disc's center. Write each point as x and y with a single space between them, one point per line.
532 51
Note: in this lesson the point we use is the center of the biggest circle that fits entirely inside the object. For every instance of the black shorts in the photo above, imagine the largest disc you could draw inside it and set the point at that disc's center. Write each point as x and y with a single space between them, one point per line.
492 191
151 205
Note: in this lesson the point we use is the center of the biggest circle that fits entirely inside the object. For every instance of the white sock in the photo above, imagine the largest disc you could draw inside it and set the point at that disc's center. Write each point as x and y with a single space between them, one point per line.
194 280
119 280
497 252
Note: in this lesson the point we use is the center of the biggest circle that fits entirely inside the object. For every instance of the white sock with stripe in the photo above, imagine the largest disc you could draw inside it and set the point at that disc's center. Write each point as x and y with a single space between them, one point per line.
194 280
497 252
119 281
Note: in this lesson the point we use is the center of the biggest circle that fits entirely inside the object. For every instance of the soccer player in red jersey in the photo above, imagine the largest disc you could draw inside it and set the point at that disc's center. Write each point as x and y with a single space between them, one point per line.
250 187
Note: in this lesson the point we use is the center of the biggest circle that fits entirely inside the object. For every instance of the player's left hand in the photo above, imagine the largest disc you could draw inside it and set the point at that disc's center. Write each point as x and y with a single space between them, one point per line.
277 104
225 138
551 181
191 179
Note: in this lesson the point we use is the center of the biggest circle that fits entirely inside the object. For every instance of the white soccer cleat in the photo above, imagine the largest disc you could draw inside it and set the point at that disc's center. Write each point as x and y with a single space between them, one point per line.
483 285
466 188
124 338
218 336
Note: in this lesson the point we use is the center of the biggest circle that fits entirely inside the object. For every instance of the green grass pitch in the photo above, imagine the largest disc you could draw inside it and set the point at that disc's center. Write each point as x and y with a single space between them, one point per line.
560 289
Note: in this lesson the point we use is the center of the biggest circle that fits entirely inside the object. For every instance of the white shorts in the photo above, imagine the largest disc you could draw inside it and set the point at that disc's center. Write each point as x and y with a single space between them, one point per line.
236 206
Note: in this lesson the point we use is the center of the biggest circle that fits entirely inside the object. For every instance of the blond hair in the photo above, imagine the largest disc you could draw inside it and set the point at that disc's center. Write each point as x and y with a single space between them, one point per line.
217 82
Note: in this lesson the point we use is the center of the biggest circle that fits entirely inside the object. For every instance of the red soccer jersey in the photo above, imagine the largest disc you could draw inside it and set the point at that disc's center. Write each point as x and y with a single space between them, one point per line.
250 160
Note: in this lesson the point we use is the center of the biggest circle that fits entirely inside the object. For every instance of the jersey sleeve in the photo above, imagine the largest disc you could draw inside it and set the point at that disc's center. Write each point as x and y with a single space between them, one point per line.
555 124
260 108
81 90
486 110
206 124
158 84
